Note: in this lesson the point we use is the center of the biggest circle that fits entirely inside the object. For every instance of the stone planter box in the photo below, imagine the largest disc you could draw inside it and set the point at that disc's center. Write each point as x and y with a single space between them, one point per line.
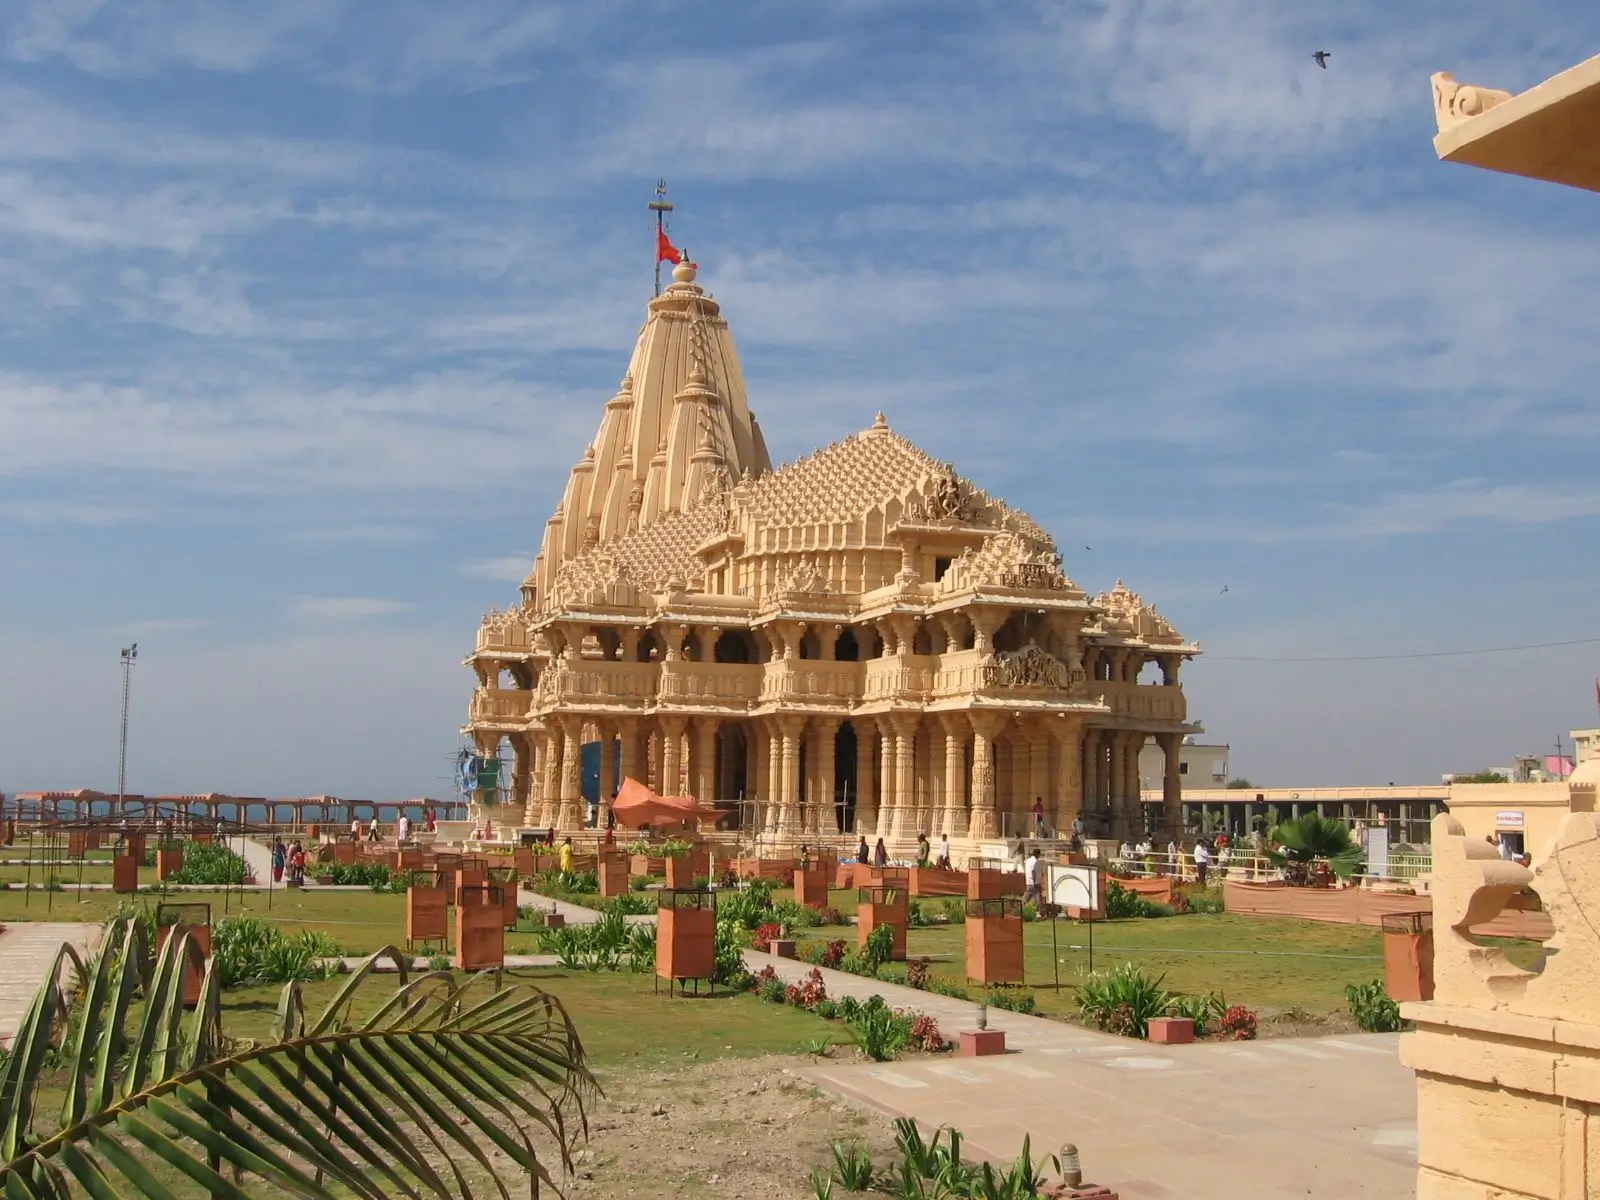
1171 1031
125 873
344 853
193 972
77 843
686 936
781 870
168 863
976 1043
427 915
680 871
986 883
480 937
613 874
1362 906
932 881
811 887
884 906
783 948
468 877
647 864
505 878
1158 889
993 935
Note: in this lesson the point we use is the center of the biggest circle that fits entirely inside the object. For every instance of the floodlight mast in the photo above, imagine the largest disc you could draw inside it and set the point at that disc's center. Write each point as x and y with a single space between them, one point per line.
130 655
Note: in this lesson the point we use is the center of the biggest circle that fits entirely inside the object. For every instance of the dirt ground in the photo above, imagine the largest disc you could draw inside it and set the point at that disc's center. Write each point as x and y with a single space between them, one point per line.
744 1129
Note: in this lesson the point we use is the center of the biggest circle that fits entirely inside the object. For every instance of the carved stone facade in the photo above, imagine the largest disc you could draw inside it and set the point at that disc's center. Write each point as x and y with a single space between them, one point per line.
858 642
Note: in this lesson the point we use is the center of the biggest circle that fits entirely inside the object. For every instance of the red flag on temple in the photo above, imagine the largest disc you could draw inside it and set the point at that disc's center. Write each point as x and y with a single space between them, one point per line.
665 250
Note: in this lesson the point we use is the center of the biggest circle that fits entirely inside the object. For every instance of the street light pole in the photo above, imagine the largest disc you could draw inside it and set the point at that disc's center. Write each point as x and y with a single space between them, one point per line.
130 654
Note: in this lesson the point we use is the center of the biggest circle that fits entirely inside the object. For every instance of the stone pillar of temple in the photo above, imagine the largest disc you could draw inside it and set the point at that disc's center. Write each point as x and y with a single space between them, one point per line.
789 729
522 777
771 776
985 726
866 814
1172 785
824 811
550 775
906 821
1038 775
672 727
1120 824
608 772
888 796
705 759
1069 780
953 819
569 815
1102 775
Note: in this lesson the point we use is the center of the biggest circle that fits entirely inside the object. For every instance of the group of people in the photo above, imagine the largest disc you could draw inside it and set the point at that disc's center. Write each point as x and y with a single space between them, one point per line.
1207 855
371 831
288 860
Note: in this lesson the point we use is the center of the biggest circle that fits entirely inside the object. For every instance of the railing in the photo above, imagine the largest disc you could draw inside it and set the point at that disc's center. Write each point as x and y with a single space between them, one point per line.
1151 701
902 676
1252 867
499 704
513 635
830 681
598 680
725 683
960 672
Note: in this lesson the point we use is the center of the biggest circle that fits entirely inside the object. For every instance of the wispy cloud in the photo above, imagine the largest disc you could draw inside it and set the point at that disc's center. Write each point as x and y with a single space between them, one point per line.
344 608
511 568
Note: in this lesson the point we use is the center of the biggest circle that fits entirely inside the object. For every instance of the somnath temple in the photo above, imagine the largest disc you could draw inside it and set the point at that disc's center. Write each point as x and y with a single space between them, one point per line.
858 642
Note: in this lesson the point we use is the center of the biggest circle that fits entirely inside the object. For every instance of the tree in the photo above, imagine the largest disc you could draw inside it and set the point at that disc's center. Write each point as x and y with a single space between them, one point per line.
1480 777
1298 844
1240 785
410 1100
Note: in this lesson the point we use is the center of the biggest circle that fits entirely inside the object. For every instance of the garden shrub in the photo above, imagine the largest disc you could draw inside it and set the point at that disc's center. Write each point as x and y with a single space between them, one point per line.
880 1032
947 987
879 948
1122 1000
1204 1011
209 863
917 971
1013 999
1237 1023
729 968
1204 902
792 915
249 950
1371 1007
761 939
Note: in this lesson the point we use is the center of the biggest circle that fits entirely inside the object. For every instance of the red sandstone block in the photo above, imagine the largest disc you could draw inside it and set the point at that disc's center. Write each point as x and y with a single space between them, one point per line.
1172 1031
978 1042
784 948
1087 1191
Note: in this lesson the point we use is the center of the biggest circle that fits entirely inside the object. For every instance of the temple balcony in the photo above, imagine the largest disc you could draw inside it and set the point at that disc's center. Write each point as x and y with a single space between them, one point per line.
811 680
684 681
492 704
507 636
1142 701
904 677
597 680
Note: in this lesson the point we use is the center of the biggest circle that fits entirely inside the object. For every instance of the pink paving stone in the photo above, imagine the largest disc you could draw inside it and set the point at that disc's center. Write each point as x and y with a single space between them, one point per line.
1171 1031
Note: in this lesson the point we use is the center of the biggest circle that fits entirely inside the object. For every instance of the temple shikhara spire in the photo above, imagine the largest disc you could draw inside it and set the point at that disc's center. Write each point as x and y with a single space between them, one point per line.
860 642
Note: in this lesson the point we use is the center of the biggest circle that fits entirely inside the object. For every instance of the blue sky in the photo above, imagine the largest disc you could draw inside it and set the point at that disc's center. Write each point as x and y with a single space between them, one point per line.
306 309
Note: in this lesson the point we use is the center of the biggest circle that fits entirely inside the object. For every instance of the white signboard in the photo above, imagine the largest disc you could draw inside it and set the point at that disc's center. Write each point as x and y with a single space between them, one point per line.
1508 819
1377 848
1075 885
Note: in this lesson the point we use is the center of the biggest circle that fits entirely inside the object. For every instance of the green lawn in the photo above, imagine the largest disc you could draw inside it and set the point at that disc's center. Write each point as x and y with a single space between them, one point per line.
1270 964
621 1019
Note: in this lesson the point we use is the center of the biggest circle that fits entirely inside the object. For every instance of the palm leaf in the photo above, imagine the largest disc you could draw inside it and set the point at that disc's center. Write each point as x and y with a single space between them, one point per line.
430 1095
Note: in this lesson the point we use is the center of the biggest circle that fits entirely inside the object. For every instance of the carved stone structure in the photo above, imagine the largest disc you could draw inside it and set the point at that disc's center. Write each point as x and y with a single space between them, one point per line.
1508 1060
858 642
1551 131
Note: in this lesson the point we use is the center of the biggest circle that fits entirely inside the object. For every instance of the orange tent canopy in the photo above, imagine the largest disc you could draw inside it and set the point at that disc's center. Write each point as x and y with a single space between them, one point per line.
636 807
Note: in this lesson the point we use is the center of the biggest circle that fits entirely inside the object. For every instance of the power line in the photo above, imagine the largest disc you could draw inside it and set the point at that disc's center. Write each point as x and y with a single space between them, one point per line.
1588 641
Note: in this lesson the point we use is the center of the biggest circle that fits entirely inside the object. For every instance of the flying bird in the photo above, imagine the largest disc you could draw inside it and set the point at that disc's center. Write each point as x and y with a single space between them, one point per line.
1224 590
1088 547
1322 57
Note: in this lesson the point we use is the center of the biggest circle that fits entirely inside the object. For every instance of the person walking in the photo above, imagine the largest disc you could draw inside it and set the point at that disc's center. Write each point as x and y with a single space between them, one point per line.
1033 875
924 850
863 855
355 829
297 865
944 852
280 858
1202 861
566 856
880 854
1038 816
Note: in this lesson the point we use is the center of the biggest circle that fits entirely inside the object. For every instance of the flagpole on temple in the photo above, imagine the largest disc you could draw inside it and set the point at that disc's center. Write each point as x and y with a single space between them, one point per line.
661 206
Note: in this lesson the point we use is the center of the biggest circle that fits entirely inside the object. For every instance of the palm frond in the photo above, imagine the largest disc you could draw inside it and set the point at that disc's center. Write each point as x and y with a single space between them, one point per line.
429 1095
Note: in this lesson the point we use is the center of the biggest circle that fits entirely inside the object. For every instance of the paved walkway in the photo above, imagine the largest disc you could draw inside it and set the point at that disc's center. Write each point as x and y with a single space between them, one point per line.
26 951
1271 1119
575 914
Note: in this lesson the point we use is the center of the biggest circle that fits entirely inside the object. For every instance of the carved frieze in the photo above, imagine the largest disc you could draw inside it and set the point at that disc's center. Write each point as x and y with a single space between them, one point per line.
1029 667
